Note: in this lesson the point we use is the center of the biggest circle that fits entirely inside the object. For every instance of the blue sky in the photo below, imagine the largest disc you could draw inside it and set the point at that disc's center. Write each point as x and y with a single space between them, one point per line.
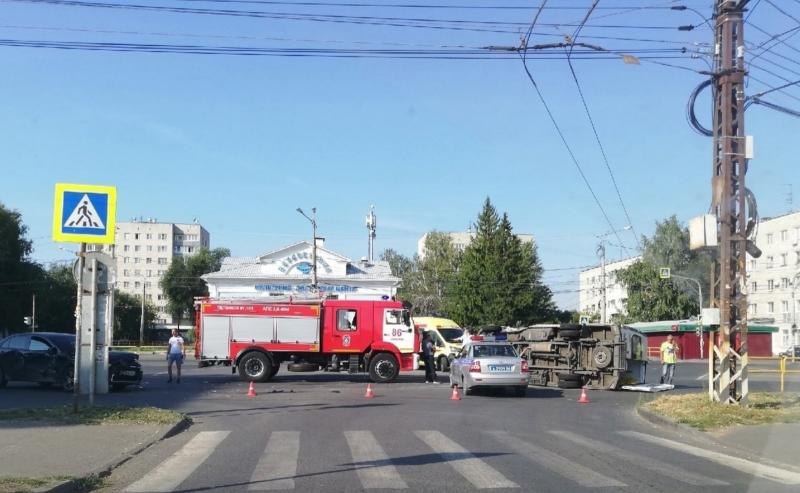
240 142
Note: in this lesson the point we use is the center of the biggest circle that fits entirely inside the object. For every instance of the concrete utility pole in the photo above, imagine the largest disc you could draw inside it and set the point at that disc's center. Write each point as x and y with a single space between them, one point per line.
601 251
372 226
730 382
141 317
313 220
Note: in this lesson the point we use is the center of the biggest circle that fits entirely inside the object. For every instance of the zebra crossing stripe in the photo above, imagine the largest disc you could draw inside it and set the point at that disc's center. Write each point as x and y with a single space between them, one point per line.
659 467
173 471
474 470
556 463
277 466
753 468
373 466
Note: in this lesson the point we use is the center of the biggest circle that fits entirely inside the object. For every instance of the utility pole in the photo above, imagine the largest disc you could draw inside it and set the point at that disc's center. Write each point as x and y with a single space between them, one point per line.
141 318
372 225
33 314
601 250
730 382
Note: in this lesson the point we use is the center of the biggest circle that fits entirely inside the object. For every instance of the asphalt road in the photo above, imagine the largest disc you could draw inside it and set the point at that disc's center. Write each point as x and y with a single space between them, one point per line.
317 432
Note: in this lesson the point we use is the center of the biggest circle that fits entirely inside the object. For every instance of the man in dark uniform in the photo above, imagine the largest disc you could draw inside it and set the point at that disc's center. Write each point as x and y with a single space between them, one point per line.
428 350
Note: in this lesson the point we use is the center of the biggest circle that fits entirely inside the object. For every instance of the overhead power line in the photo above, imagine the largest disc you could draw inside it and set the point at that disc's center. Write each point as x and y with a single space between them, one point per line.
523 56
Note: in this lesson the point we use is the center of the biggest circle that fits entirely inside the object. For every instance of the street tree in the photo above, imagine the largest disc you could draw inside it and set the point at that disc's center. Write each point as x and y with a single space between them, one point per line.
181 282
651 298
56 298
128 315
500 278
18 274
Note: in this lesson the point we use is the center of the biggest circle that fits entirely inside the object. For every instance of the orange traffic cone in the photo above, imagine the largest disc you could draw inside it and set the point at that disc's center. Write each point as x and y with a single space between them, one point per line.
370 394
251 392
584 399
456 396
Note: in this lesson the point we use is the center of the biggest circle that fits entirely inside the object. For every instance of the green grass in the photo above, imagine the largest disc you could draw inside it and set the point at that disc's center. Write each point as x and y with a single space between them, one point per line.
12 484
96 415
697 411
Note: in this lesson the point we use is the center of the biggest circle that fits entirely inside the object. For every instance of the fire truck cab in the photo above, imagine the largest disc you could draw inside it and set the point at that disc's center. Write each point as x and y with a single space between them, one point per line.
255 337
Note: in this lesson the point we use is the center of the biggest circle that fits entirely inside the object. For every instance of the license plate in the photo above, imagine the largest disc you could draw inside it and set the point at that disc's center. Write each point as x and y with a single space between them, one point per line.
500 368
129 373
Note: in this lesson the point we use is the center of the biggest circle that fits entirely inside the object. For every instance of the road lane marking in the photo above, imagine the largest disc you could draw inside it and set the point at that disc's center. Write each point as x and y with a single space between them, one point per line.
702 377
173 471
641 461
277 466
570 469
373 466
474 470
743 465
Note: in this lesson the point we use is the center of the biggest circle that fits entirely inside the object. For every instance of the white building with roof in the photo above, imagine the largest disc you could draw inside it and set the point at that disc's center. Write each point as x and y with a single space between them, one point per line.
287 272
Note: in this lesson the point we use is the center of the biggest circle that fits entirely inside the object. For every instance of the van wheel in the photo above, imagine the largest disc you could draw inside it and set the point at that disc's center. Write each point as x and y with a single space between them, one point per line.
255 367
444 364
383 368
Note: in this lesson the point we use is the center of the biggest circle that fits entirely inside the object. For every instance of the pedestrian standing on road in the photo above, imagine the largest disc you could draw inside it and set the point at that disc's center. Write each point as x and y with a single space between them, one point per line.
669 356
427 355
175 354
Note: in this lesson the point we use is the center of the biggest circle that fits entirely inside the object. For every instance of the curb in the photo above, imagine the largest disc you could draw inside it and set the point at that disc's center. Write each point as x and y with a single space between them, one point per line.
659 420
72 485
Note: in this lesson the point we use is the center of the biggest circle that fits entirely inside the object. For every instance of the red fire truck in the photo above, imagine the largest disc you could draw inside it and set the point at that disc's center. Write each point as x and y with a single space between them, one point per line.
255 337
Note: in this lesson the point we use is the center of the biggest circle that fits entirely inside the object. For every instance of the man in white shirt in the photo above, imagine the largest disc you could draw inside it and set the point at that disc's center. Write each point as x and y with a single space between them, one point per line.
175 354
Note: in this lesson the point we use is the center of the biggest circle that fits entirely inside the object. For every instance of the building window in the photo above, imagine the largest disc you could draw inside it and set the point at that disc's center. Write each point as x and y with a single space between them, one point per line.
126 273
149 273
162 261
126 236
160 297
178 237
770 285
753 264
784 259
162 236
785 306
148 260
126 284
162 248
137 272
770 239
149 297
753 287
136 260
189 249
785 282
177 249
137 284
771 307
770 260
148 285
149 236
784 235
125 260
136 236
753 309
126 248
136 248
149 248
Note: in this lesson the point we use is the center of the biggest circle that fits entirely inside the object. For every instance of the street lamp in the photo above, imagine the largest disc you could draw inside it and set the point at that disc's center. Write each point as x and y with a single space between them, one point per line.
313 221
699 294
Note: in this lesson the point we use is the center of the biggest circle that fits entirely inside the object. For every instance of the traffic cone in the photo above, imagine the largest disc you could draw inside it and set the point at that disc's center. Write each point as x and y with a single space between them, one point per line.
251 392
456 396
584 399
370 394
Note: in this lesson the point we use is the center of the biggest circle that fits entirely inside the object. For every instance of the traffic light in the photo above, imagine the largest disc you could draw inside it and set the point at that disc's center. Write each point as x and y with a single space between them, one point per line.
28 321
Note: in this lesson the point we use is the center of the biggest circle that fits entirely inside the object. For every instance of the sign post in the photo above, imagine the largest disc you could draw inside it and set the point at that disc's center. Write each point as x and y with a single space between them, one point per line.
86 214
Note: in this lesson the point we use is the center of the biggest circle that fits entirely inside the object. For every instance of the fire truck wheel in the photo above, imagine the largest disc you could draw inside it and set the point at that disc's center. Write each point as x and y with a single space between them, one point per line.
383 368
255 366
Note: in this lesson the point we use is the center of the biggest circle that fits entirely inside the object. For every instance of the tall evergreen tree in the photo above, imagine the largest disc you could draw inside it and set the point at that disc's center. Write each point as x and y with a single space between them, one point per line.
499 279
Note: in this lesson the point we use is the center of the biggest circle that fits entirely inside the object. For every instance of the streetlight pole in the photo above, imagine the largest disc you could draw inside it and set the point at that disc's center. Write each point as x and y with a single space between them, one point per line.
700 296
313 221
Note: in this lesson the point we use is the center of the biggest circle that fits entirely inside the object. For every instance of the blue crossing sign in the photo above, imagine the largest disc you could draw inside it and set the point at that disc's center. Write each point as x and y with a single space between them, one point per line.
84 213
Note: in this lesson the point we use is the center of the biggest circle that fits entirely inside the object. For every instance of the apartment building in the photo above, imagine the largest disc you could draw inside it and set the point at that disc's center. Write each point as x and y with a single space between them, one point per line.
143 251
774 278
590 299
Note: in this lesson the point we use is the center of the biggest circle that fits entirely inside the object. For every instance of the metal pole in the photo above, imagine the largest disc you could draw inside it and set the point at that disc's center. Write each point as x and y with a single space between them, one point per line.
93 334
314 248
141 318
79 307
33 314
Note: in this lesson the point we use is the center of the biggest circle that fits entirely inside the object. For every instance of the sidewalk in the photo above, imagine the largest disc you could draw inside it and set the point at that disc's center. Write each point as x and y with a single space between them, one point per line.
776 442
41 450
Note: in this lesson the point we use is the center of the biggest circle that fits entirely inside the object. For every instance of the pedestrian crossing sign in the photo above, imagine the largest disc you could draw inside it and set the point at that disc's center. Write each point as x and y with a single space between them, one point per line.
84 213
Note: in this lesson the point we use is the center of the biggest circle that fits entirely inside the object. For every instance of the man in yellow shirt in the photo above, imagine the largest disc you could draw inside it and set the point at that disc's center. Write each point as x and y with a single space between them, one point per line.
669 356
